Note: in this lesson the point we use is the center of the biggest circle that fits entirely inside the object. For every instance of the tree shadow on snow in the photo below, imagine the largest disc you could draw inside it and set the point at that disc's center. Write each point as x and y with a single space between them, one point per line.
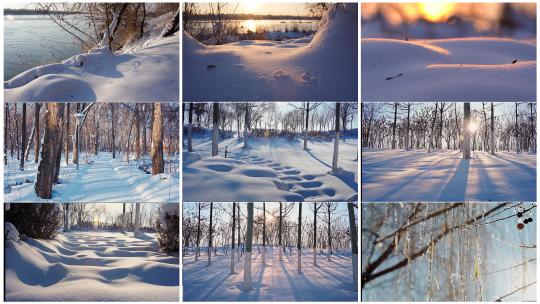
456 188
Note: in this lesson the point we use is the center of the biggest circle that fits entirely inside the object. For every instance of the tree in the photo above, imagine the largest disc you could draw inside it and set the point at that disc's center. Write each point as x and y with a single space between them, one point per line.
394 126
306 129
336 139
6 123
315 209
215 130
249 241
66 217
264 235
157 141
299 238
37 142
232 240
23 136
172 26
492 136
137 217
516 130
246 125
50 151
137 115
198 251
330 207
354 243
66 153
466 131
210 235
190 128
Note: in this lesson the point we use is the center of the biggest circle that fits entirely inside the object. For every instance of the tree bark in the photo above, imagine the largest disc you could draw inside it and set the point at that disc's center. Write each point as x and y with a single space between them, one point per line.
68 142
249 241
137 132
299 238
466 131
190 128
354 244
394 126
336 139
210 236
492 137
215 130
157 141
36 132
23 136
50 151
232 240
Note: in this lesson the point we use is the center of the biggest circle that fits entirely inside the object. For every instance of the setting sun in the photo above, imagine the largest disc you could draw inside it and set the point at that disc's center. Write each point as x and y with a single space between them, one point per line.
250 25
435 12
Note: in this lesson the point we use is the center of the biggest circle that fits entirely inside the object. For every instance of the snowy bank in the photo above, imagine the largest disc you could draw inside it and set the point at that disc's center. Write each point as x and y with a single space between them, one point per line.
146 70
324 67
90 266
461 69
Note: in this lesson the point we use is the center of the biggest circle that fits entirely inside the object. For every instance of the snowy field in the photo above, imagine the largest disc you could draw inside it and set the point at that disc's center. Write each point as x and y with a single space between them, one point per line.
460 69
275 281
146 70
101 179
90 266
321 67
272 169
398 175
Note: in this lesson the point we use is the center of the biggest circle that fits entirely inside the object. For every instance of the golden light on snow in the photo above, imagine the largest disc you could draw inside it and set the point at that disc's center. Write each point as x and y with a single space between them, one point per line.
436 11
250 25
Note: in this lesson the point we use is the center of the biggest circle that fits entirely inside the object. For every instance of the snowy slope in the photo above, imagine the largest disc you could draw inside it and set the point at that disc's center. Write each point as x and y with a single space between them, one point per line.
398 175
323 68
272 169
461 69
103 179
90 266
275 281
145 71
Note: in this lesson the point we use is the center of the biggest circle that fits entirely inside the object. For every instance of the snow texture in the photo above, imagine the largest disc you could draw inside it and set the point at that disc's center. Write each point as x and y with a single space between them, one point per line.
398 175
272 169
11 233
322 68
275 281
103 179
461 69
90 266
146 70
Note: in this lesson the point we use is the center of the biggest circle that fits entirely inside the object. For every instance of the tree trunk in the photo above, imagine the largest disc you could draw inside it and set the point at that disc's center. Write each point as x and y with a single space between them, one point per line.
299 238
66 217
264 235
232 240
394 126
466 131
68 142
137 132
210 236
249 241
315 235
23 136
50 150
354 244
517 130
307 124
113 137
6 123
215 131
137 217
190 128
36 132
329 234
157 141
246 125
492 137
336 139
123 217
198 251
407 147
280 229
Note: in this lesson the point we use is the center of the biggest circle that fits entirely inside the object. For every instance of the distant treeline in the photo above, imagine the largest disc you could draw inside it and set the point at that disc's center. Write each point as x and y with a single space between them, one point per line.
36 11
205 17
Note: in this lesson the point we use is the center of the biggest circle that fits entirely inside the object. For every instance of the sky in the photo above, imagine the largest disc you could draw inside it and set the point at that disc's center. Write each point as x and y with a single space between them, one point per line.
258 8
115 209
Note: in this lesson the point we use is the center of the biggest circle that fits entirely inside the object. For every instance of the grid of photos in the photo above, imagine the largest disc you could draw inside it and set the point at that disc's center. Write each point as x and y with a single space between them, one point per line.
448 152
91 152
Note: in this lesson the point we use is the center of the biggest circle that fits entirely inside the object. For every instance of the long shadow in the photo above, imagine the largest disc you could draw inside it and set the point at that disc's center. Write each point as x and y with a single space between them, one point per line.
456 188
527 169
347 177
318 159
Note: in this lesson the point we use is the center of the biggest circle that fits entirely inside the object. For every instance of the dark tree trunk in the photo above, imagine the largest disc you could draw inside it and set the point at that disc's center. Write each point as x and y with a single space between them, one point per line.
36 132
66 153
23 136
157 141
137 132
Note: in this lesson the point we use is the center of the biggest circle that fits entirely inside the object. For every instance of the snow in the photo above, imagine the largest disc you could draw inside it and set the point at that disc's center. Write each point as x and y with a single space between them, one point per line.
272 169
398 175
142 71
11 233
102 179
90 266
460 69
322 68
275 281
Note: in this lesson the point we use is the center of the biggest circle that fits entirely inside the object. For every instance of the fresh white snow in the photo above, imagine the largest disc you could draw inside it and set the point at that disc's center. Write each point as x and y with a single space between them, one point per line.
272 169
398 175
274 281
90 266
319 68
146 70
102 179
460 69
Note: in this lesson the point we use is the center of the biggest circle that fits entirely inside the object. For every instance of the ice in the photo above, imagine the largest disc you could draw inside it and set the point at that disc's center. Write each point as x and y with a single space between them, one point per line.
90 266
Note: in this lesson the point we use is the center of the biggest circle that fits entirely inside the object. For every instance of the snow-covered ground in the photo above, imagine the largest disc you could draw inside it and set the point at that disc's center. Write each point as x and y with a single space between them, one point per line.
321 67
276 281
90 266
102 179
461 69
272 169
398 175
146 70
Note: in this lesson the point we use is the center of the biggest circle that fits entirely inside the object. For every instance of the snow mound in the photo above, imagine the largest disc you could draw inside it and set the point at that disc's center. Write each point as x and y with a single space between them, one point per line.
92 266
461 69
11 233
277 71
233 180
145 72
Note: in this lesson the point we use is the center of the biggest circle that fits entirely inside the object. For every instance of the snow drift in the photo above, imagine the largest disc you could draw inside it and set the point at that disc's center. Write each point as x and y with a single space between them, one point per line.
321 68
461 69
90 266
145 71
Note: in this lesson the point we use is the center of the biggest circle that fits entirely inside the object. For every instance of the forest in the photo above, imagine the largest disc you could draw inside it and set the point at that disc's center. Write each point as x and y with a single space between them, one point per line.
449 151
449 252
91 151
129 249
309 149
289 238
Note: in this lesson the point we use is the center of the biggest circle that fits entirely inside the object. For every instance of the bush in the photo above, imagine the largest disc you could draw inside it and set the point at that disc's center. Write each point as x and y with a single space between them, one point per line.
39 221
168 229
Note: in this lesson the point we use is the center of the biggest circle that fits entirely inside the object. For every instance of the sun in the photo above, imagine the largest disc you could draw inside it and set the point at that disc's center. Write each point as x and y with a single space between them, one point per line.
250 6
436 11
473 126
